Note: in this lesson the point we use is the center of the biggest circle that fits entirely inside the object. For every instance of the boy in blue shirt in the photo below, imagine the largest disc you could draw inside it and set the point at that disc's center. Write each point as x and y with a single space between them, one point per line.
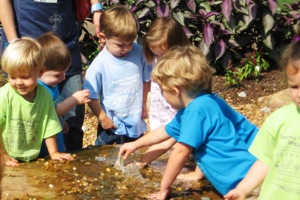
206 126
117 78
57 62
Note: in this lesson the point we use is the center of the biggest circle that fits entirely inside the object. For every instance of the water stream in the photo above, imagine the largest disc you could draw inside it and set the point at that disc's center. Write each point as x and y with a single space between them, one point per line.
92 176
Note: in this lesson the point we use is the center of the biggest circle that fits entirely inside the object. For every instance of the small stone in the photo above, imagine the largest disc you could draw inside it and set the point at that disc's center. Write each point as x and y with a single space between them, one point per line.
242 94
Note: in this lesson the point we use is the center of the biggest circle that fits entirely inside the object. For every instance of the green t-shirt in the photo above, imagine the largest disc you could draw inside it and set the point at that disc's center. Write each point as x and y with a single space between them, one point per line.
24 124
277 144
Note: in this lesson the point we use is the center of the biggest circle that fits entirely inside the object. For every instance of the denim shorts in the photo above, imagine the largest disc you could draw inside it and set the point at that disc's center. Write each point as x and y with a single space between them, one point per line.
107 137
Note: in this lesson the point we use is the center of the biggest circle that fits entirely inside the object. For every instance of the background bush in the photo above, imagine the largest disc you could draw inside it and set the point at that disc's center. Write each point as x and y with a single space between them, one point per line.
229 31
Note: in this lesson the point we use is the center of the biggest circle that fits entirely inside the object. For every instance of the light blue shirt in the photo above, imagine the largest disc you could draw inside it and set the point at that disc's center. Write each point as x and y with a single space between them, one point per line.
220 137
118 83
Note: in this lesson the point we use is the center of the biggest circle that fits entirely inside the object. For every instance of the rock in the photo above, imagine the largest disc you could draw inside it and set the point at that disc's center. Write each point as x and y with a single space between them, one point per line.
276 100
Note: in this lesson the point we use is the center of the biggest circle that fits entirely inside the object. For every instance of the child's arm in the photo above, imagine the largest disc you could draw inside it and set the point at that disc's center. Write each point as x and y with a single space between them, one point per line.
146 90
156 136
79 97
192 176
155 151
252 180
53 152
105 121
9 161
176 161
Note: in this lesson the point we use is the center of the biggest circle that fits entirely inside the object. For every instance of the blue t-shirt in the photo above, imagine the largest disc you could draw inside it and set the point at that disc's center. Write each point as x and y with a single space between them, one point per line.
53 91
59 137
220 137
118 83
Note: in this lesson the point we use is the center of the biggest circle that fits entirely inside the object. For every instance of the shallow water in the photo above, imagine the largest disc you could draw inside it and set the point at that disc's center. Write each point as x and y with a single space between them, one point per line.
92 176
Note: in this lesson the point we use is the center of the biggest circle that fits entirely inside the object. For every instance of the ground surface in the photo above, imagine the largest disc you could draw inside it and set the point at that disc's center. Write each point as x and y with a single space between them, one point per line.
269 83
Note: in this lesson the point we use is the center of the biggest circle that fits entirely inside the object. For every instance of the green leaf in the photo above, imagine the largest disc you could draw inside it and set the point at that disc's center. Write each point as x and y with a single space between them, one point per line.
268 42
268 22
179 17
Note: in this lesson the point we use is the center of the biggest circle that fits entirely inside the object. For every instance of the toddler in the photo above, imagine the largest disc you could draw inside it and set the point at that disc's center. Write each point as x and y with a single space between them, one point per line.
277 144
57 62
117 79
27 114
205 125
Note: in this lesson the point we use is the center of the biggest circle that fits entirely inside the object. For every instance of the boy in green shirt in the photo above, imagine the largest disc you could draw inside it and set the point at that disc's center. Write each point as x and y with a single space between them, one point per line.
27 114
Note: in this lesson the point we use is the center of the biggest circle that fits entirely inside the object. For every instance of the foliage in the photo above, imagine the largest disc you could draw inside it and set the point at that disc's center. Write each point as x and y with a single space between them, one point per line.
224 30
251 66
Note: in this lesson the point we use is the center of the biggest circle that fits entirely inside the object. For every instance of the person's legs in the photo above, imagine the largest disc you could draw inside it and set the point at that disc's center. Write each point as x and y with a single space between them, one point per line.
74 138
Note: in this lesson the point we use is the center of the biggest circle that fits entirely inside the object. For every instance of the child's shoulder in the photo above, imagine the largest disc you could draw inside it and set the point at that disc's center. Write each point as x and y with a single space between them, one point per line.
5 89
284 112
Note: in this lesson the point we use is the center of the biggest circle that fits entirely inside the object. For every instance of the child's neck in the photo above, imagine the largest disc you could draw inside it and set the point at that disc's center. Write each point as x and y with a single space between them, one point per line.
31 96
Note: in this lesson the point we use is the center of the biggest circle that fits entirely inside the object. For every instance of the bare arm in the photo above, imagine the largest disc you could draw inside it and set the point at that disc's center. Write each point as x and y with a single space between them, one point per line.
156 136
146 89
252 180
53 151
105 121
176 161
79 97
96 18
7 19
155 151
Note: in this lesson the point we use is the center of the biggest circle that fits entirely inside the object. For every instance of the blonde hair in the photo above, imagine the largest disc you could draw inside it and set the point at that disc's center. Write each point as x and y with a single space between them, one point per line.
57 55
119 22
184 67
23 56
163 34
289 56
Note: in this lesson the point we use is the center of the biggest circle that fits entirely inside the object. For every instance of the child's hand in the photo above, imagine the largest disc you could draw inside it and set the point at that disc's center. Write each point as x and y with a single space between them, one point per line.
127 149
161 195
107 124
141 164
65 127
61 156
82 96
235 194
144 112
9 161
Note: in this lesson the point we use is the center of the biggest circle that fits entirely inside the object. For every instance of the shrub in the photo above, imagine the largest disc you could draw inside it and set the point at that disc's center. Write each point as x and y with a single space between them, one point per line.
226 30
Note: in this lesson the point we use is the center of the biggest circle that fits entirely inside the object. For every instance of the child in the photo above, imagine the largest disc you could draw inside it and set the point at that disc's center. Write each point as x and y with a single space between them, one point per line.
27 114
57 62
163 34
116 76
205 125
277 144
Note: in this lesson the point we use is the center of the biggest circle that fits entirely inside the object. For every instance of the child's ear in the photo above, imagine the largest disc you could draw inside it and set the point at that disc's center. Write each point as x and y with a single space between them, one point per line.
101 37
41 72
176 91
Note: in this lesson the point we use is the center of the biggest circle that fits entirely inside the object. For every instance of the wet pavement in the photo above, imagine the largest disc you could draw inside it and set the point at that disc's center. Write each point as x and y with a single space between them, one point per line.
92 176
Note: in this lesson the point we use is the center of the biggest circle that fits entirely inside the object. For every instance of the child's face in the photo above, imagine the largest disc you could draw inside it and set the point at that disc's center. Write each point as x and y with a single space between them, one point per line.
24 84
158 52
294 84
172 97
53 77
118 47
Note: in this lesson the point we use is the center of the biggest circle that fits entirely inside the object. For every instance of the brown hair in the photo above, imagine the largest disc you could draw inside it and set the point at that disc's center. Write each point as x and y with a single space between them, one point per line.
163 33
289 56
119 22
57 55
